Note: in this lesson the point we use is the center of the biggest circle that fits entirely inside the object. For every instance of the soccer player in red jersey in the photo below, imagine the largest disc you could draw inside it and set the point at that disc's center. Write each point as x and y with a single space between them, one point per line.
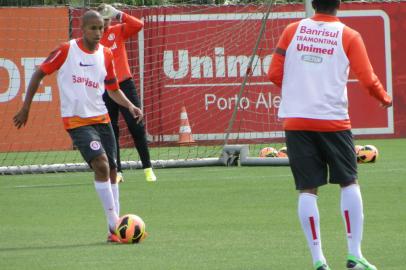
85 70
311 64
114 37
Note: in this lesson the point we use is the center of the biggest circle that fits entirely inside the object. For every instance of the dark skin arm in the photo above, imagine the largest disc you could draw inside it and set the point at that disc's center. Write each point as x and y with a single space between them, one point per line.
21 117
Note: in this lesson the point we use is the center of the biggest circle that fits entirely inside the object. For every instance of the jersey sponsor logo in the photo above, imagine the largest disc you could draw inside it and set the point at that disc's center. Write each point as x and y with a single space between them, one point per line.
85 65
317 40
312 59
314 49
95 145
318 32
86 81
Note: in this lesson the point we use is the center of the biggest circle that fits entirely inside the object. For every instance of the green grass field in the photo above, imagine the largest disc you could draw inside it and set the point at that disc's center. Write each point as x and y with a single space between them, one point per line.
199 218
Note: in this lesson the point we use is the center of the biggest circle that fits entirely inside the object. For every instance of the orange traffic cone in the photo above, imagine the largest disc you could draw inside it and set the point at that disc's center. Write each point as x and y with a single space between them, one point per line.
185 132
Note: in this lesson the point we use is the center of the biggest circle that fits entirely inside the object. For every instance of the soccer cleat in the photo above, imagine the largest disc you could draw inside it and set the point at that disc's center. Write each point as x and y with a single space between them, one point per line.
319 265
120 177
112 238
149 175
354 263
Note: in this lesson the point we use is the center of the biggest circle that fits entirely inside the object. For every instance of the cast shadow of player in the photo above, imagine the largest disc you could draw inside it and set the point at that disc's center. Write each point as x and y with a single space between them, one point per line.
53 247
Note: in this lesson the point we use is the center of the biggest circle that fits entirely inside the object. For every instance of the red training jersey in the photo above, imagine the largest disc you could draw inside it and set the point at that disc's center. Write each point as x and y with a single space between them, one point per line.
114 37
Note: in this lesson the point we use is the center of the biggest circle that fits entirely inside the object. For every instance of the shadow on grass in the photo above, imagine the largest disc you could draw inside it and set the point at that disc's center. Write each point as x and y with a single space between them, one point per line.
71 246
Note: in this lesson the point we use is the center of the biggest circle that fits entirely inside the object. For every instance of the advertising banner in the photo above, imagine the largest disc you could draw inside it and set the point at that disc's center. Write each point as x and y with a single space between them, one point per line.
27 36
207 76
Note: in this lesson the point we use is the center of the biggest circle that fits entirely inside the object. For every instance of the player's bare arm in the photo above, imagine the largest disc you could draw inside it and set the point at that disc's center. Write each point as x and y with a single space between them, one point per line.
21 117
119 97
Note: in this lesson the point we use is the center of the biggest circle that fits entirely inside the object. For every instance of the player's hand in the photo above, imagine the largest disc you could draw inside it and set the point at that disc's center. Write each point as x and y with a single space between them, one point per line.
108 11
136 113
387 103
20 119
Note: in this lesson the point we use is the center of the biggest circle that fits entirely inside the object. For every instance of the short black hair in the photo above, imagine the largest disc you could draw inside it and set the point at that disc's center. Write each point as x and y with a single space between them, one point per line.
326 5
90 14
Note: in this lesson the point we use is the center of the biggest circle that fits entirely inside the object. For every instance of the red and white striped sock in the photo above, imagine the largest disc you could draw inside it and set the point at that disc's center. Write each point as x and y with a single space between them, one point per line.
310 221
352 212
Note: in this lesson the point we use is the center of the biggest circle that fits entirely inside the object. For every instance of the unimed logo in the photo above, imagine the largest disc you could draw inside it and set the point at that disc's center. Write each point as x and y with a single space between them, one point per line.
181 64
215 70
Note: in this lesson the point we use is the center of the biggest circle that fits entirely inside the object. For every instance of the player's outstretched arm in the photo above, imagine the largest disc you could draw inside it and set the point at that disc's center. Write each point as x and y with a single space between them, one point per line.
119 97
21 117
362 68
130 24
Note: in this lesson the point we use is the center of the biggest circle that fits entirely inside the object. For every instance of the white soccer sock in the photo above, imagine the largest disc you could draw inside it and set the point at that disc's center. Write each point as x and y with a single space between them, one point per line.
106 197
310 221
116 196
352 212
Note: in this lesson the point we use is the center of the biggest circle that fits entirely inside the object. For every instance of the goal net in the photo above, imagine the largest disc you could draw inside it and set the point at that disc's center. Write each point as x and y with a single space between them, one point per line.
200 70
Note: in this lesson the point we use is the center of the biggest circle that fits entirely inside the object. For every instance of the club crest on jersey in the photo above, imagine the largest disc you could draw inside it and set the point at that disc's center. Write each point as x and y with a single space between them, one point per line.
111 37
95 145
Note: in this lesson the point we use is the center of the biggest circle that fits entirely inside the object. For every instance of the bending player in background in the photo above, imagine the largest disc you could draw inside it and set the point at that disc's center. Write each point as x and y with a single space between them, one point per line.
86 69
313 76
114 37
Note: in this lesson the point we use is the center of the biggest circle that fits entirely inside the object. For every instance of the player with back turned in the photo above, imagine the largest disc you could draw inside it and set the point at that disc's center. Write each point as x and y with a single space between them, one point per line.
311 64
114 37
85 70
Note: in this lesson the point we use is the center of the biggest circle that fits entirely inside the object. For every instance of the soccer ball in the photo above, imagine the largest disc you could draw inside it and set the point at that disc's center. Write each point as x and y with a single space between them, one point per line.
268 152
130 229
283 152
357 148
367 153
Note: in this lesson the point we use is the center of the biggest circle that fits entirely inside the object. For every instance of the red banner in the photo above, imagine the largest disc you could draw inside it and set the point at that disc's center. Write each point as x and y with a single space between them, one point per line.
27 36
